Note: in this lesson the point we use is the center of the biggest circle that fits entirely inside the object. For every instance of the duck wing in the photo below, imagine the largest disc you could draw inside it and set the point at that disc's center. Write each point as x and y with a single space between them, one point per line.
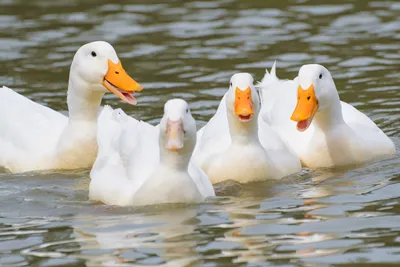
214 137
27 129
127 155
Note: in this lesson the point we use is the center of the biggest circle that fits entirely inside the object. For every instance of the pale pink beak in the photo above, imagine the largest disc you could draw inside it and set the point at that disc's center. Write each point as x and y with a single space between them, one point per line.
174 135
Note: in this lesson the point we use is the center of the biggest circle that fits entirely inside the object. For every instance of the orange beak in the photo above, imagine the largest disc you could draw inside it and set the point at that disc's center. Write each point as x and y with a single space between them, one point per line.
120 83
174 135
307 106
243 104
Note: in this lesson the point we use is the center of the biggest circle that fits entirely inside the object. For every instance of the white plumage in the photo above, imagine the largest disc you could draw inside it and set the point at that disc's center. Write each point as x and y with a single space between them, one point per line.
34 137
229 147
136 166
337 135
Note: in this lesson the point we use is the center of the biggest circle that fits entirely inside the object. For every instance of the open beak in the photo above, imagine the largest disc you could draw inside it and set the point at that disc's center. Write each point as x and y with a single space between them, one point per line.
243 104
307 106
174 135
120 83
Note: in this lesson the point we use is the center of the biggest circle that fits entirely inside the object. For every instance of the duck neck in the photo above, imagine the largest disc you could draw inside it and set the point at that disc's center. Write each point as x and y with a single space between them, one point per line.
330 116
242 132
77 145
83 103
177 160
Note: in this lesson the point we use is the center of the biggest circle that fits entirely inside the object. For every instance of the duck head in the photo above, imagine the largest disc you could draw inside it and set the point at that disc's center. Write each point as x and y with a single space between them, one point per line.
242 98
177 127
316 93
96 67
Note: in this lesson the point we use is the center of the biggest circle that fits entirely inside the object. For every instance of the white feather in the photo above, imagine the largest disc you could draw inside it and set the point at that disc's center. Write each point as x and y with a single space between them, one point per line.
357 140
129 169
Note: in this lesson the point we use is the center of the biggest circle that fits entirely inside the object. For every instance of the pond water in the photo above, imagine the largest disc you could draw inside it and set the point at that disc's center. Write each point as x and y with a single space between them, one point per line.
332 217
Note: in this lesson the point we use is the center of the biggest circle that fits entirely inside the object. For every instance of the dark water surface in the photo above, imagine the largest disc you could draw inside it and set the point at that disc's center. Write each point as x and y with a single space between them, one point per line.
346 217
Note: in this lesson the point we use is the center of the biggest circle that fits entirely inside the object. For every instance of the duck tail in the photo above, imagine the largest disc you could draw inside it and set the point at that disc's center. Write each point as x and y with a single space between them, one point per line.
273 70
109 127
269 79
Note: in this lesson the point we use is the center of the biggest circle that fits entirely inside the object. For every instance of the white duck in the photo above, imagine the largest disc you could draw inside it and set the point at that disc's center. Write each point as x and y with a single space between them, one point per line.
139 164
235 144
35 137
321 129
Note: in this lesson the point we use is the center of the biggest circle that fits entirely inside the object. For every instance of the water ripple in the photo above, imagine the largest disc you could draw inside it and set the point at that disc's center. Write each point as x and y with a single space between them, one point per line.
189 50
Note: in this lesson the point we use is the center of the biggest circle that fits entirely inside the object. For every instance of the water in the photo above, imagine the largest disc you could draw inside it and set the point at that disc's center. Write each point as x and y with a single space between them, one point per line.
341 217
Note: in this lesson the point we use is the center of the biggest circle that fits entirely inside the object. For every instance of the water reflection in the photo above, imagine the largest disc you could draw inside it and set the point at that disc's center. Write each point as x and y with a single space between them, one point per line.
152 238
297 221
190 50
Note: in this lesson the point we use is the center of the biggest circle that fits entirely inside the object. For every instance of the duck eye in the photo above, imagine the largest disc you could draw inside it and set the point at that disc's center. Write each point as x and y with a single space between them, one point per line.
320 76
231 84
187 110
94 54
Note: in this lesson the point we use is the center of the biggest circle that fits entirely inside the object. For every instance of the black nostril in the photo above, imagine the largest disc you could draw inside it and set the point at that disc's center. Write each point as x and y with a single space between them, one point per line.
117 72
308 98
